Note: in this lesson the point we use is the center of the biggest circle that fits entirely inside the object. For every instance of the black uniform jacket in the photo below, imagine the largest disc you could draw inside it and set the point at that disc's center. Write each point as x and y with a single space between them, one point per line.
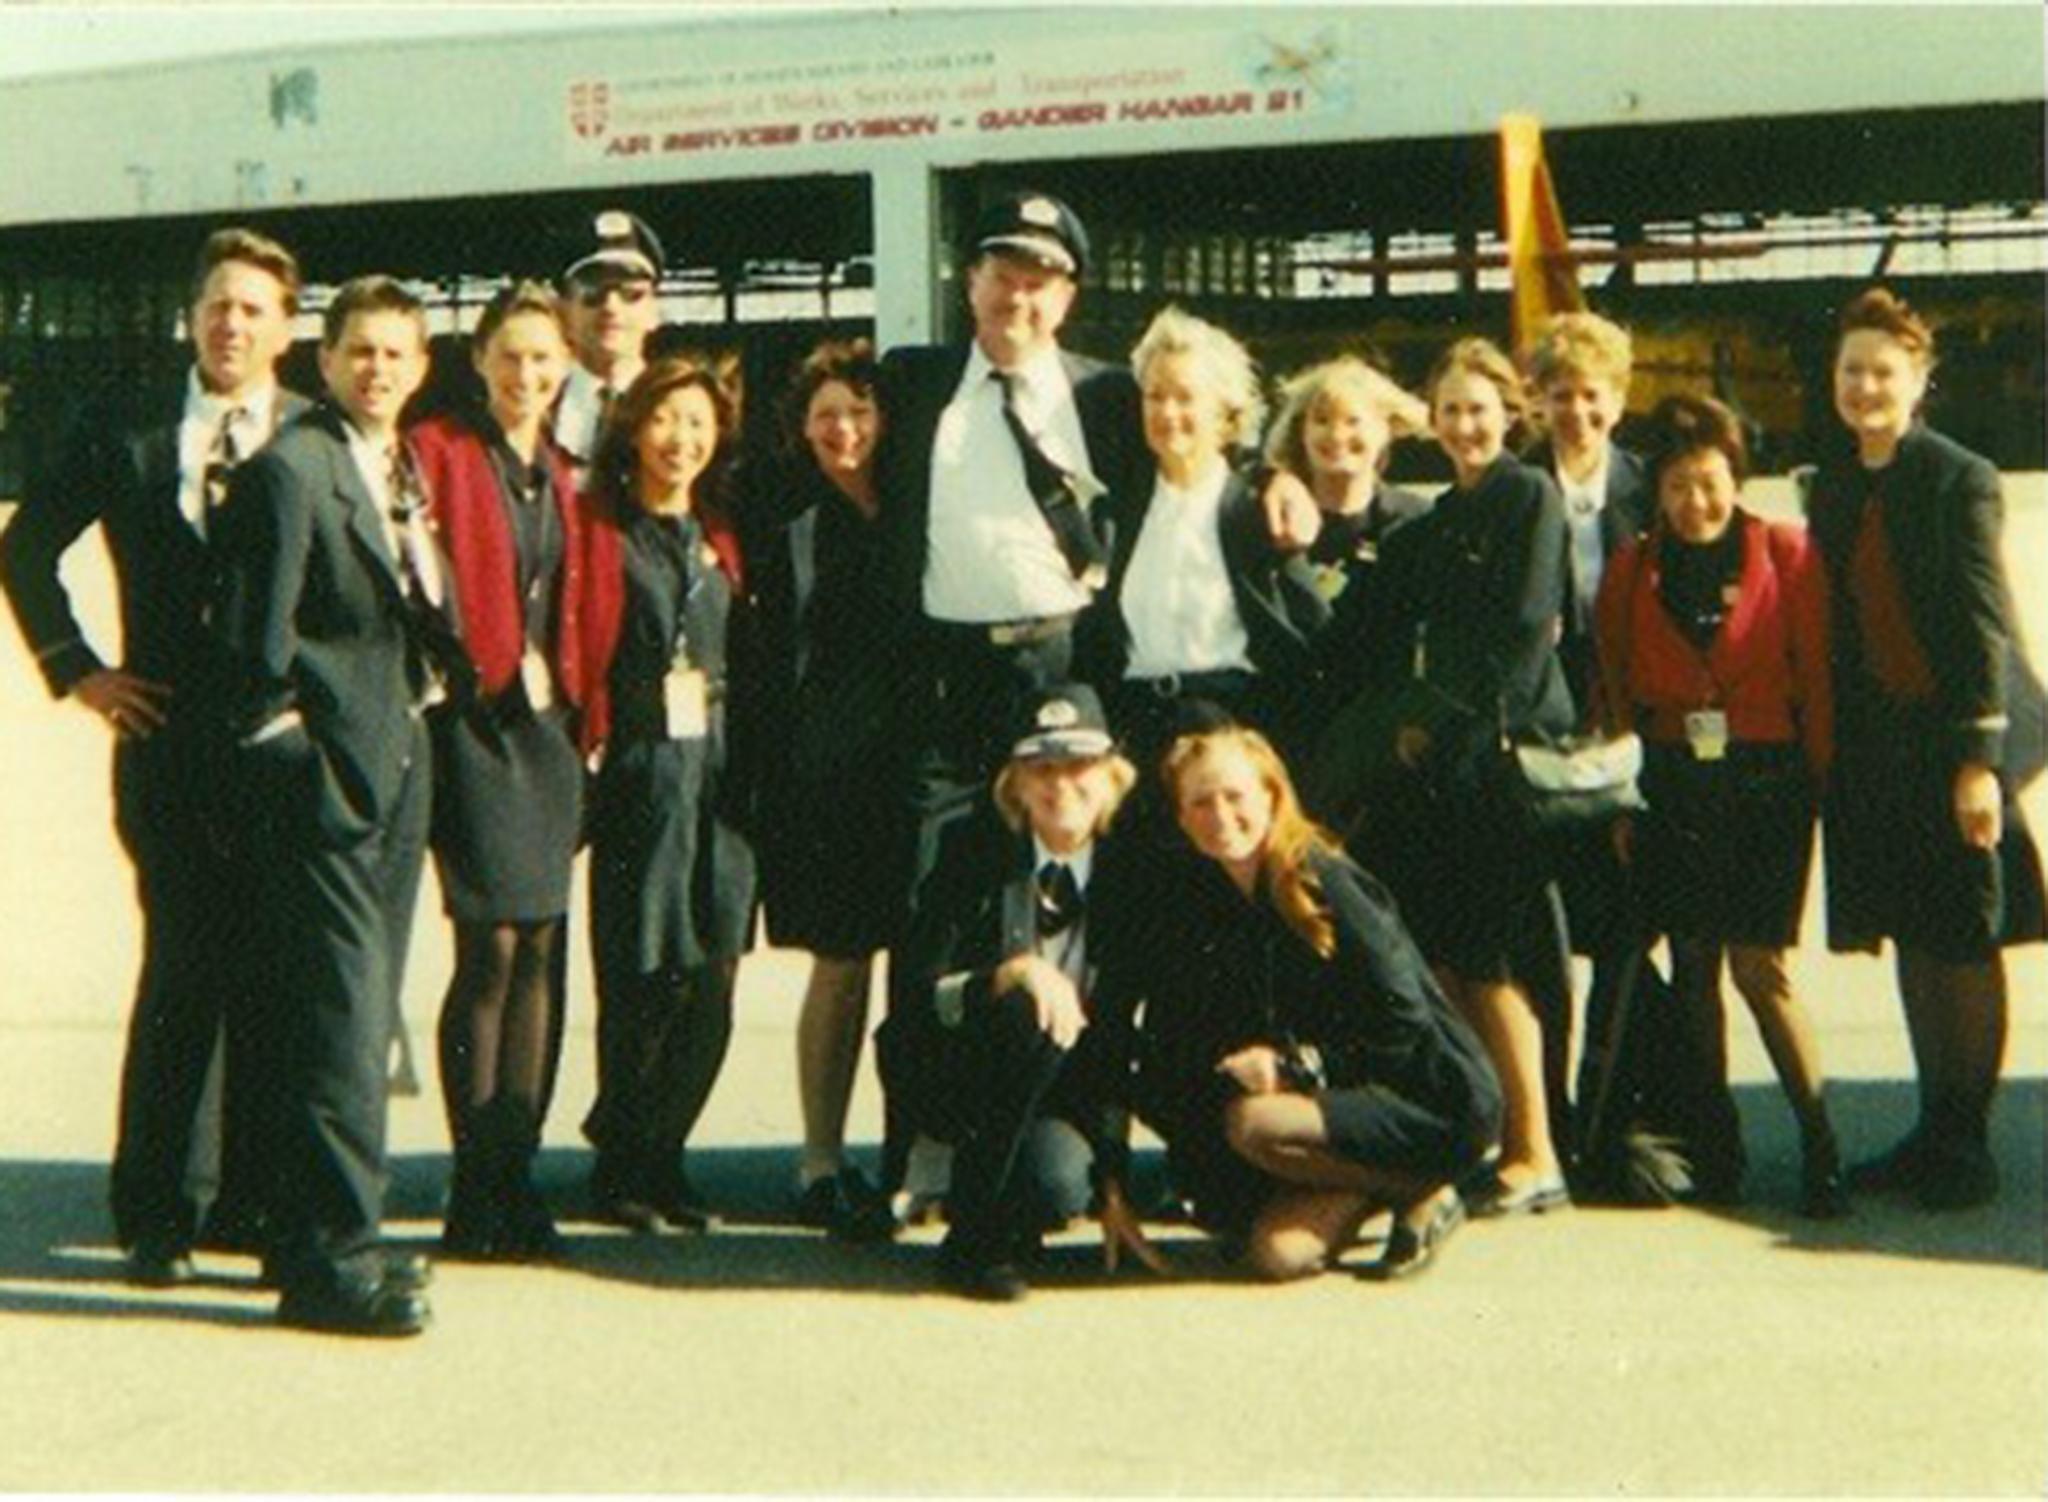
977 909
120 469
1481 594
1275 592
916 385
1350 565
1944 519
312 613
828 632
1372 1010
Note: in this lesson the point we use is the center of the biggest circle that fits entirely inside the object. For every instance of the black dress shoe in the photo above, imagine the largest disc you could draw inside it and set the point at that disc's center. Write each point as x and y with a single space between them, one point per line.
1412 1247
974 1273
410 1271
1956 1174
847 1208
383 1309
157 1265
1896 1171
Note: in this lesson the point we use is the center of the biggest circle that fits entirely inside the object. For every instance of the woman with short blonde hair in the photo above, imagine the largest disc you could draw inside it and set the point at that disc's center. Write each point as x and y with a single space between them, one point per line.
1201 609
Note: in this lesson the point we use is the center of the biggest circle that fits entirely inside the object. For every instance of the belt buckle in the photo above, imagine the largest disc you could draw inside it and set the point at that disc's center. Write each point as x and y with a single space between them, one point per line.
1006 633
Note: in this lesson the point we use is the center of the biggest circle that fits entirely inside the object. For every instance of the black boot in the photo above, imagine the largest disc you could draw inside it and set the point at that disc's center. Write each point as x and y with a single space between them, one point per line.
1823 1194
526 1229
470 1229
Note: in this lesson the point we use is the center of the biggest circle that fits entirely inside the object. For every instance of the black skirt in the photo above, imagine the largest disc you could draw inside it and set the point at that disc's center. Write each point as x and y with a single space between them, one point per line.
508 791
835 861
1474 888
1726 847
1896 868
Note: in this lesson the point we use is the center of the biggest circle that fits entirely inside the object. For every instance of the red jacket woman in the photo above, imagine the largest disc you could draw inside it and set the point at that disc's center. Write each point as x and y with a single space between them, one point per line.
1712 633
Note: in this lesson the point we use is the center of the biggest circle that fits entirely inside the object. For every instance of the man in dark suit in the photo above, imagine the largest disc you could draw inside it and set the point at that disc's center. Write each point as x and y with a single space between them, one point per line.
328 601
1022 970
151 470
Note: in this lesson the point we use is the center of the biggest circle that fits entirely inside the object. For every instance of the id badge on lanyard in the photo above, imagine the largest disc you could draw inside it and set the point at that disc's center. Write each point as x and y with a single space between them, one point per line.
686 690
1706 732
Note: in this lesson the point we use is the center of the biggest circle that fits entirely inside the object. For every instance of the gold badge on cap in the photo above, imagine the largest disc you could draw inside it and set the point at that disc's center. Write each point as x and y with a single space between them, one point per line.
613 224
1042 212
1058 714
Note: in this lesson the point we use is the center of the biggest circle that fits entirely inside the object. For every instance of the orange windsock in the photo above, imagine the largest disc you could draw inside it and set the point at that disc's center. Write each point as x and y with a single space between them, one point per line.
1545 278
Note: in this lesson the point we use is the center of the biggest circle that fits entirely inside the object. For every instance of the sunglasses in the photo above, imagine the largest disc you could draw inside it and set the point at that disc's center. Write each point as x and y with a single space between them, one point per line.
632 294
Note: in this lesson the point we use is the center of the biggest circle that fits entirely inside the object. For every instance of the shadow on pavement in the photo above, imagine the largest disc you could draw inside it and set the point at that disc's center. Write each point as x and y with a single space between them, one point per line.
55 1235
1869 1116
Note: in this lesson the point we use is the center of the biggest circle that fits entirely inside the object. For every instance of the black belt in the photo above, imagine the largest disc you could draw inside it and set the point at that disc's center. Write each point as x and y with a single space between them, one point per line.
1027 632
1214 681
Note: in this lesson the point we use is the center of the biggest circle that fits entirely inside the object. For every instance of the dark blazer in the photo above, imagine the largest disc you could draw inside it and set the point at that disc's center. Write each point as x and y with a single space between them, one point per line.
1372 1010
1361 647
1275 592
1482 592
119 469
977 909
1630 508
915 385
1944 518
312 614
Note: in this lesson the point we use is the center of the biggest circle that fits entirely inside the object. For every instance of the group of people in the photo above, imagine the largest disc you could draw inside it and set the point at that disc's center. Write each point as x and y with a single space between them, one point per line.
1162 753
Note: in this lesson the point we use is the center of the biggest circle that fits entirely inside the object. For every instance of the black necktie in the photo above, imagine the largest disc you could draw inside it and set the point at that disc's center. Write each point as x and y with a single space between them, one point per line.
222 455
1059 493
1060 903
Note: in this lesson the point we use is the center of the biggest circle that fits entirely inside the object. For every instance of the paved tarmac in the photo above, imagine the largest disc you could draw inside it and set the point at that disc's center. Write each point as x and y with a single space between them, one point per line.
1594 1352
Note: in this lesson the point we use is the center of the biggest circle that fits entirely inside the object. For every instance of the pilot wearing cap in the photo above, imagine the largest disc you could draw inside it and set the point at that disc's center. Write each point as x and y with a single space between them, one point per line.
1021 976
993 470
609 297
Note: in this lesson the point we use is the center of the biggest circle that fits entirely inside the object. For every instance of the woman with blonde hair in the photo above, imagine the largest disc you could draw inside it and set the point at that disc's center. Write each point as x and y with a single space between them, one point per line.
1301 1061
1479 621
672 872
1011 1037
1200 605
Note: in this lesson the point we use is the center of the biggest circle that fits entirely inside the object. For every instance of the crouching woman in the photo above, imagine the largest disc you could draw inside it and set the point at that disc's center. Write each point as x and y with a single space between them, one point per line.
1313 1070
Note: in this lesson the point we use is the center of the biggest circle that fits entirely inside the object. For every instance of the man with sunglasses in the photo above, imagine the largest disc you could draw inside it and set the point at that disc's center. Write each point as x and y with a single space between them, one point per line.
610 296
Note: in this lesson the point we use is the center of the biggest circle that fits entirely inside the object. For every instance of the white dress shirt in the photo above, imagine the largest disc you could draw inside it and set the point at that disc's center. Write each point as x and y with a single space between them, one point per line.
250 418
1176 595
990 552
404 540
579 412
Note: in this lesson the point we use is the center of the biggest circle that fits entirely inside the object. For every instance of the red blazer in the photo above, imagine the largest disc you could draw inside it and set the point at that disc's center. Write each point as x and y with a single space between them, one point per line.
468 518
1768 666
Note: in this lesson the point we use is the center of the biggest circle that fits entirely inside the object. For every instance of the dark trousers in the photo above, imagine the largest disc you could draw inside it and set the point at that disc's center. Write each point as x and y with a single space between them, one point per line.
1016 1169
661 1042
189 1141
337 922
968 714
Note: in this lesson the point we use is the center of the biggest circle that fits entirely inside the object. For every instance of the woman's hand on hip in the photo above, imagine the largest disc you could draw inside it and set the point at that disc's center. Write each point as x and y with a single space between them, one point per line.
1979 806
